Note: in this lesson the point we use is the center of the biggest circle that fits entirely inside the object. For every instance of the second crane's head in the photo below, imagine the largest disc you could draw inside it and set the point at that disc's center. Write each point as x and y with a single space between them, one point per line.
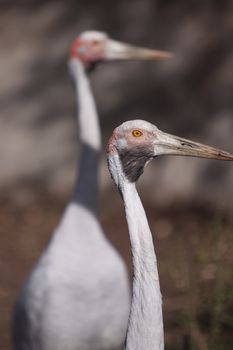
91 47
134 143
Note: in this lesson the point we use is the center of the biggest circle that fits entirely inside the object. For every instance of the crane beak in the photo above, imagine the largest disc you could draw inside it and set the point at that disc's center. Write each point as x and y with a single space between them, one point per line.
173 145
116 50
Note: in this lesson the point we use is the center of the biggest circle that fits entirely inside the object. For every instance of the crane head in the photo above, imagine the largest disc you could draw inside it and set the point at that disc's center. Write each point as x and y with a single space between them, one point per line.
134 143
91 47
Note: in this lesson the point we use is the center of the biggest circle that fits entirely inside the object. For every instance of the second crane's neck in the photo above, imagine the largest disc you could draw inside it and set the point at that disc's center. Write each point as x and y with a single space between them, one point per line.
86 189
145 329
87 112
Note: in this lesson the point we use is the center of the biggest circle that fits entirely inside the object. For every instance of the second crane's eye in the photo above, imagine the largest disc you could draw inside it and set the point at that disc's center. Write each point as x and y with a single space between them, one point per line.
96 43
137 133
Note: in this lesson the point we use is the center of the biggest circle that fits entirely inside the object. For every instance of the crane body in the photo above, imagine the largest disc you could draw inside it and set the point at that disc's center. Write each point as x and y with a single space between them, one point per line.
57 292
77 296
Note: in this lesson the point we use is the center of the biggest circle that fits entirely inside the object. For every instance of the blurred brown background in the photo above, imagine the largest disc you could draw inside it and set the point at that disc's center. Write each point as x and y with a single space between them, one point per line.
189 201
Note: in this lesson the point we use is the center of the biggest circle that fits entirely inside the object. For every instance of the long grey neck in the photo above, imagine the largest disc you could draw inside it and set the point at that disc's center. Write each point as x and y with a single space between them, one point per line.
86 187
145 327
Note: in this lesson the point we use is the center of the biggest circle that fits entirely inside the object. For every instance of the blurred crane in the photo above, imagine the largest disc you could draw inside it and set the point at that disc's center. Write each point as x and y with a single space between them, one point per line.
131 147
77 296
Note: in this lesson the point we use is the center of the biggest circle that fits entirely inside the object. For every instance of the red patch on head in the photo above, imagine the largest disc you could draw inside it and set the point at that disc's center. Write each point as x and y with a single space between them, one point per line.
74 47
110 146
87 50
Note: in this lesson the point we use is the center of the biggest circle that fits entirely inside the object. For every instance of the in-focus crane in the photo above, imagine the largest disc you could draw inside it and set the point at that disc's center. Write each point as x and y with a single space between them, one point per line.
132 146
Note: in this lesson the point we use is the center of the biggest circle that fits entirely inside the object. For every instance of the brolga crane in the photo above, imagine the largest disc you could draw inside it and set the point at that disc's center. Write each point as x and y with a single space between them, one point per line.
77 296
132 146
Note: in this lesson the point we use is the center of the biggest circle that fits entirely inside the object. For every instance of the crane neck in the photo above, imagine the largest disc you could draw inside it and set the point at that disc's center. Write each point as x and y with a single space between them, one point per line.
145 327
88 117
86 188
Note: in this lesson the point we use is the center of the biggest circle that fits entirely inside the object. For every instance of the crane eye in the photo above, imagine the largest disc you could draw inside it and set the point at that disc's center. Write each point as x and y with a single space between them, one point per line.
136 133
95 42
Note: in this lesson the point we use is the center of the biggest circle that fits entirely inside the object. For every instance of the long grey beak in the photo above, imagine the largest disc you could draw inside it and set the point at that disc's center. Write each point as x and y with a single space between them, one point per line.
116 50
169 144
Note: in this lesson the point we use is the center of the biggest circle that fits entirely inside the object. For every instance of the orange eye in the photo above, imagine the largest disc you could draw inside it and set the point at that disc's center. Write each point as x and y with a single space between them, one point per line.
136 133
95 42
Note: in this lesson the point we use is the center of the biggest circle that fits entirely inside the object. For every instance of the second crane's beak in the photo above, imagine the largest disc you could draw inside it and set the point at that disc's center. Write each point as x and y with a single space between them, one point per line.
116 50
173 145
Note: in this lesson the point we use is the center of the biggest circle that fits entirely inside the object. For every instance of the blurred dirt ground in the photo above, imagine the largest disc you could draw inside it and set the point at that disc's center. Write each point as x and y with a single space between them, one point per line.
194 251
